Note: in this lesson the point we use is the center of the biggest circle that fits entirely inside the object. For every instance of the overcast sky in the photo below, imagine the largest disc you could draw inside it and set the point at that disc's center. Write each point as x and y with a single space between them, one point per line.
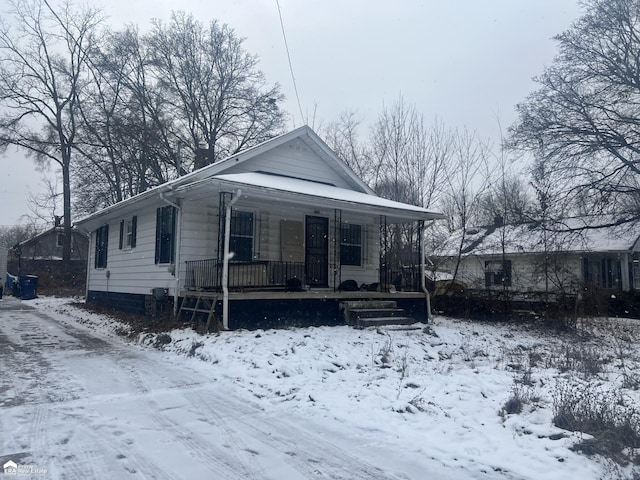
467 62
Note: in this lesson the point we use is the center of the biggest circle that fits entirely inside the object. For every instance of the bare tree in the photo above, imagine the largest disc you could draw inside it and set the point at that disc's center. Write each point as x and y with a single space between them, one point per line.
583 122
128 136
44 206
468 180
43 54
214 86
11 236
344 138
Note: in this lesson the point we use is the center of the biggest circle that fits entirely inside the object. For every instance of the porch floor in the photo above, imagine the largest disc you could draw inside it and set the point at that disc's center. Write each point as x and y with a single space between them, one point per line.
253 309
315 294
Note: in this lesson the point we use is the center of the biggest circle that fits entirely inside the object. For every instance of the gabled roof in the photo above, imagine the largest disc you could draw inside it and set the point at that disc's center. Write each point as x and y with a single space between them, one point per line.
569 235
220 172
49 231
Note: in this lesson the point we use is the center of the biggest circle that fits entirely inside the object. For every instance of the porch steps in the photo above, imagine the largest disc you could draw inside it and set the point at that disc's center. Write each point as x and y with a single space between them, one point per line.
202 308
372 313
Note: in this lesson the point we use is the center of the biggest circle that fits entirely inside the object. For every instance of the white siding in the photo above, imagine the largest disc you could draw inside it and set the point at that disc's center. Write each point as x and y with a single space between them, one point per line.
527 272
294 160
135 271
131 270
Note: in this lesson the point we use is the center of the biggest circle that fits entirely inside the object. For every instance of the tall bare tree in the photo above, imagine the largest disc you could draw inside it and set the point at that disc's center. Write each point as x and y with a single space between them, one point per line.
468 180
583 122
43 55
128 134
214 86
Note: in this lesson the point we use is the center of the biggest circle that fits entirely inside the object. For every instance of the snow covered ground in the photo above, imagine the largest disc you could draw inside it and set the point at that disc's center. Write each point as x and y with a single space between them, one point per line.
328 402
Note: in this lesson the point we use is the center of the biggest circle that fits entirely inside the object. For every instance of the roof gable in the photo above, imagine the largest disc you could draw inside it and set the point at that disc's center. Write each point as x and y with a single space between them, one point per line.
300 153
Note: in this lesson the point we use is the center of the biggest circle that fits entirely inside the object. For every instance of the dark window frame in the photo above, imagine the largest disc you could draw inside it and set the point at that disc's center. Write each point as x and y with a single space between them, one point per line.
101 247
351 244
498 273
166 235
242 235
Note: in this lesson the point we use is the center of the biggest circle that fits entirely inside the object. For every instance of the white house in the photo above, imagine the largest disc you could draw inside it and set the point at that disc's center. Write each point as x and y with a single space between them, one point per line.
563 257
295 219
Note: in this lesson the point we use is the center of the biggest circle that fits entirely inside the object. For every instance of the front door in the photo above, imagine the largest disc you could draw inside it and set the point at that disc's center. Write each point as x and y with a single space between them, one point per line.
317 251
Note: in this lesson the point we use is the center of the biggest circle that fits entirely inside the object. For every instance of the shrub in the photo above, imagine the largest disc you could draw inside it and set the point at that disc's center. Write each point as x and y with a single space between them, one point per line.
613 422
520 396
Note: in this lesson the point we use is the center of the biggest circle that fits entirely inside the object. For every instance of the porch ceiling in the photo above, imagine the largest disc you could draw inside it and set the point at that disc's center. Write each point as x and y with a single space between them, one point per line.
277 189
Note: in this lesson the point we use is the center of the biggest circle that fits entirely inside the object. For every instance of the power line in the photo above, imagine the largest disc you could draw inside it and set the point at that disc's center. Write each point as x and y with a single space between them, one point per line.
286 45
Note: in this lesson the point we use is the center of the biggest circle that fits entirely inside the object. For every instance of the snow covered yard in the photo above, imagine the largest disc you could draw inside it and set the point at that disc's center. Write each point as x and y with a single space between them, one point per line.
477 399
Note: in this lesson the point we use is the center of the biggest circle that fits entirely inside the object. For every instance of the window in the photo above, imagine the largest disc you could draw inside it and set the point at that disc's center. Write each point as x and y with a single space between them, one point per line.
165 234
350 244
60 239
102 241
497 272
128 232
241 236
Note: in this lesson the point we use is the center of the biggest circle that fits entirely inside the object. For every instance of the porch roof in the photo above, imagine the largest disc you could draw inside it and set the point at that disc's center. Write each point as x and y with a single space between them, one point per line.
276 188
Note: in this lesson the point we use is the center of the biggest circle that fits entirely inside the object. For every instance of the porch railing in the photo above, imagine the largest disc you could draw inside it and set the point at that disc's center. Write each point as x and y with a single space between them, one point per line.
207 274
402 279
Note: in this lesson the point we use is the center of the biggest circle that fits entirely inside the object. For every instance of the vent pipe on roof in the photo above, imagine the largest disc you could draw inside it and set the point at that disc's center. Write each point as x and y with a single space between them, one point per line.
202 158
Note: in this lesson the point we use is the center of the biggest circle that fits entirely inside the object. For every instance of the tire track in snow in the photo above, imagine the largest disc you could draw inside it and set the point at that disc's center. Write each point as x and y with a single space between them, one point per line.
199 448
298 445
202 450
39 438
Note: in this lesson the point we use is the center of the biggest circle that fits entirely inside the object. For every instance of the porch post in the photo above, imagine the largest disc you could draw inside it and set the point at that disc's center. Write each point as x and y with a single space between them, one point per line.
382 261
422 230
624 272
337 240
225 261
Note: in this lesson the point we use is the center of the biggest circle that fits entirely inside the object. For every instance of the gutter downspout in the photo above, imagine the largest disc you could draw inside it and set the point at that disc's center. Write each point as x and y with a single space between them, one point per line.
225 260
176 265
87 234
423 269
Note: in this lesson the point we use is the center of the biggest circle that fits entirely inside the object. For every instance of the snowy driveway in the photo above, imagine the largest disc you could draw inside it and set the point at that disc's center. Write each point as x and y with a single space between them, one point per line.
76 404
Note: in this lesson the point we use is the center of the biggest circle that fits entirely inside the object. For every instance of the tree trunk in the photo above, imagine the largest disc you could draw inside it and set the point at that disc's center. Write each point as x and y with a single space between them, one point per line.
66 182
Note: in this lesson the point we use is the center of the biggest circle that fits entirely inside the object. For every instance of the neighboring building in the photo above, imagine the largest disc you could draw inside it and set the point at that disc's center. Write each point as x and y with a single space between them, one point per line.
48 245
561 258
41 255
297 221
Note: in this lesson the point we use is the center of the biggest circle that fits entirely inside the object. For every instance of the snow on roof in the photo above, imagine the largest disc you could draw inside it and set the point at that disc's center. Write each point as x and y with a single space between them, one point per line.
570 235
320 190
304 133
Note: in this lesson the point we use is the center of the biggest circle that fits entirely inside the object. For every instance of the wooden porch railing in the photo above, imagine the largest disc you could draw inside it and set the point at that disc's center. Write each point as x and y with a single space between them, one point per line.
207 274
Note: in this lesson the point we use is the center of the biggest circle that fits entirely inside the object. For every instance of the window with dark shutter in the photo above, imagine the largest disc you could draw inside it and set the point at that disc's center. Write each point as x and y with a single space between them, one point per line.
102 241
128 232
165 234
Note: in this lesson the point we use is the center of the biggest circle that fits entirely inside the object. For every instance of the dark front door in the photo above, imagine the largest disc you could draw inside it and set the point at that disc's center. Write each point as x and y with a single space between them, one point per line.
317 251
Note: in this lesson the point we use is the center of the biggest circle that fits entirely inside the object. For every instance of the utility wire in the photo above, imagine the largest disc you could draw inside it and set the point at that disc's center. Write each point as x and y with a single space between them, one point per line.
286 45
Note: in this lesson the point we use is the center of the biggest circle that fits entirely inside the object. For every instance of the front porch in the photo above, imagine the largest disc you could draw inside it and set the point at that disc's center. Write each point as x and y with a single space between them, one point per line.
278 308
269 275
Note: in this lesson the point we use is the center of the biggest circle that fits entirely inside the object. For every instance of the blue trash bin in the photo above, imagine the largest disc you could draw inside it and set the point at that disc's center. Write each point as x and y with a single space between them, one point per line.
28 287
11 285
